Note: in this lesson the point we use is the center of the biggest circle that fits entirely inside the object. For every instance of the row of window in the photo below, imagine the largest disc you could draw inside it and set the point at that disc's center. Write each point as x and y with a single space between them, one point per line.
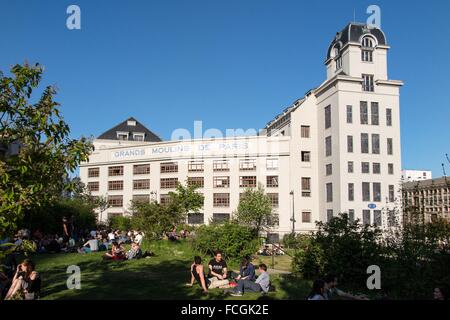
367 195
369 217
365 168
364 115
375 143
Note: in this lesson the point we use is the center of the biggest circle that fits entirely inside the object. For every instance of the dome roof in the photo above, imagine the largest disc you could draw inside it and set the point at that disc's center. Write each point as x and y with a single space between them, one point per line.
353 32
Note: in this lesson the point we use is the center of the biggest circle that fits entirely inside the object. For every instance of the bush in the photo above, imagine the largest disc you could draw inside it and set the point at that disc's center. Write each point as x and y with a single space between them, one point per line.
120 223
235 241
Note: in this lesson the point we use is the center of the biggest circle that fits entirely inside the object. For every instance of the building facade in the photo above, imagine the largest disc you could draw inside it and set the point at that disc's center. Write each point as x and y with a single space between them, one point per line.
335 150
416 175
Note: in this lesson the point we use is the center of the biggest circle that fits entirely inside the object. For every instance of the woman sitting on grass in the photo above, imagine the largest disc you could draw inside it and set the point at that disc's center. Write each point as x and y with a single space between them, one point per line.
117 252
198 274
318 290
26 283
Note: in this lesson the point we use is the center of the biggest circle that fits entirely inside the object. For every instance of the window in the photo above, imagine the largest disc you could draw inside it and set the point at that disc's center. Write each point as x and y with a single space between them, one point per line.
328 146
390 168
367 42
375 143
221 182
164 199
141 169
141 184
364 143
272 164
306 216
367 49
351 215
196 218
221 199
377 218
338 63
368 84
389 146
220 217
365 167
115 201
138 136
247 182
327 117
247 164
93 172
376 192
131 123
305 131
329 187
93 186
221 165
349 114
351 192
141 198
363 112
115 185
374 114
366 217
115 171
123 136
114 214
391 193
273 199
272 181
350 144
366 191
389 117
329 214
198 182
350 167
329 169
195 166
376 168
306 187
168 167
306 156
169 183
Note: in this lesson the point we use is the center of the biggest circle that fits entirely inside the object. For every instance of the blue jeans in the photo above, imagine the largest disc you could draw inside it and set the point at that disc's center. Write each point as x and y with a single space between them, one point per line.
247 286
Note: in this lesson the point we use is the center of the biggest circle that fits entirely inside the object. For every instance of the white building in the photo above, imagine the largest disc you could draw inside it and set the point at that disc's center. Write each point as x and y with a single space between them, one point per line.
416 175
335 150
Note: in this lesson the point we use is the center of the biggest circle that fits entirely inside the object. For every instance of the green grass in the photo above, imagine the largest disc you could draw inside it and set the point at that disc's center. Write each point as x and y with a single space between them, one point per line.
160 277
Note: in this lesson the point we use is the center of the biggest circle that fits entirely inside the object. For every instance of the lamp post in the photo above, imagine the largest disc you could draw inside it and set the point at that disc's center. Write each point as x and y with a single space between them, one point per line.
293 212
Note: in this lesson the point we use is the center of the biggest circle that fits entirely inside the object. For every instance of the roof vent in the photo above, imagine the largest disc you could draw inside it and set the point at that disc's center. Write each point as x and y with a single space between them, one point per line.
131 123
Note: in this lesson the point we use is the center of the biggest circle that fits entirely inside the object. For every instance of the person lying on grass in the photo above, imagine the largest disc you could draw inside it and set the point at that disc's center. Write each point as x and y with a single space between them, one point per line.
262 283
135 252
198 274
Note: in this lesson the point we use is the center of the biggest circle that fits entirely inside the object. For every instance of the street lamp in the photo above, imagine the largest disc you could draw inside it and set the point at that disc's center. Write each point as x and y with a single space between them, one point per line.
293 212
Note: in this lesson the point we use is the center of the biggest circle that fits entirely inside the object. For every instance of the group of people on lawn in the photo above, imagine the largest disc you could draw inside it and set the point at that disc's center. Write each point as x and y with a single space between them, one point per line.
218 276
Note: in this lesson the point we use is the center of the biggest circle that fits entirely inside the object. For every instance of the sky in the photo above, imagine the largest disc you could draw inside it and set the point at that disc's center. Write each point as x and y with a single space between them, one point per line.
230 64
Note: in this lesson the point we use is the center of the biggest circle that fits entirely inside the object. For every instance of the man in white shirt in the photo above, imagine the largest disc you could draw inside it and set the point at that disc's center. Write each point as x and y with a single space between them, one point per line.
138 239
111 236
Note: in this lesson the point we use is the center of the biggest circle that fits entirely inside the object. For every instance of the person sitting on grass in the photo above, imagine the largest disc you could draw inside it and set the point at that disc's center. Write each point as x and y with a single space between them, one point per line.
198 274
331 290
262 283
135 252
90 246
217 271
26 283
117 252
246 272
441 294
318 290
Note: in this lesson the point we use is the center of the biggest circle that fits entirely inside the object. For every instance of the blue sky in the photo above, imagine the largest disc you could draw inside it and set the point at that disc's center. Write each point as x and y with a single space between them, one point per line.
231 64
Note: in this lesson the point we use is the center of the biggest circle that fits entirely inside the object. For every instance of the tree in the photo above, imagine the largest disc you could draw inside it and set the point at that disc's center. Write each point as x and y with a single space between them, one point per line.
185 199
33 174
255 210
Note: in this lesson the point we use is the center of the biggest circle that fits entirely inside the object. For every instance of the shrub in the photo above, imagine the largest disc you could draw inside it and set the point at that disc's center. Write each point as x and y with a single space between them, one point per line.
120 223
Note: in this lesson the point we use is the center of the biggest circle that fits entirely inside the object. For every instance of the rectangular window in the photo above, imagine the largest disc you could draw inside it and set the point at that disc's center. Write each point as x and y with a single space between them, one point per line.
169 167
306 187
389 117
93 186
351 215
376 192
391 193
329 214
350 144
351 192
327 117
366 191
141 184
247 164
367 55
374 113
389 146
272 181
305 131
363 112
328 146
141 169
115 171
390 168
329 187
377 218
368 83
169 183
196 166
376 168
329 169
93 172
221 217
349 114
375 143
141 198
366 217
115 185
273 199
350 167
221 182
365 167
306 156
247 182
198 182
221 199
196 218
221 165
272 164
115 201
364 143
306 216
164 199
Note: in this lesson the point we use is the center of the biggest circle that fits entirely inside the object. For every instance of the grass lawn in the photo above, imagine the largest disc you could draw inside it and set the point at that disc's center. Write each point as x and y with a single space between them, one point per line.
161 277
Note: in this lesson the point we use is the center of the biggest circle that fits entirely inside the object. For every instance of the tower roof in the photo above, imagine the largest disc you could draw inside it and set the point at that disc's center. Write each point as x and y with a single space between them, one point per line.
130 126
